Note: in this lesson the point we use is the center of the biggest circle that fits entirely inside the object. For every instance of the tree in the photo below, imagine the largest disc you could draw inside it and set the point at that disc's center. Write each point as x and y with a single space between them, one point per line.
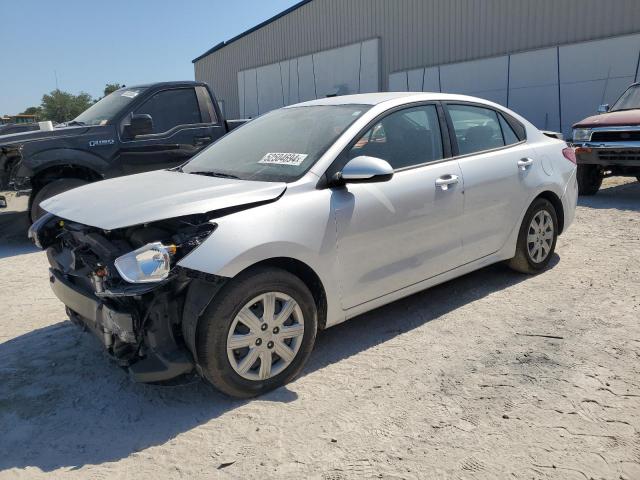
59 106
111 87
37 111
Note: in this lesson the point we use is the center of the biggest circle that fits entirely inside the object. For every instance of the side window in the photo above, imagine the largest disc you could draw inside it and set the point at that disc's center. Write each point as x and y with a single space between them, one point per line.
404 138
510 136
476 128
171 108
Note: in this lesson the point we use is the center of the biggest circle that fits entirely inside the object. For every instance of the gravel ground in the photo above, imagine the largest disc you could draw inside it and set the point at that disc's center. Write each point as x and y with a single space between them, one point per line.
492 375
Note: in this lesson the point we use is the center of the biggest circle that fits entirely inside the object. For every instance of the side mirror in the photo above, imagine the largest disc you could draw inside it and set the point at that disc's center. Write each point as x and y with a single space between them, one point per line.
365 170
603 108
141 124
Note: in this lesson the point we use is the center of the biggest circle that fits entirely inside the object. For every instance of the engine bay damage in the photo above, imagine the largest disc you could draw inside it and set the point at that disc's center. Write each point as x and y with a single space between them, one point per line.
148 328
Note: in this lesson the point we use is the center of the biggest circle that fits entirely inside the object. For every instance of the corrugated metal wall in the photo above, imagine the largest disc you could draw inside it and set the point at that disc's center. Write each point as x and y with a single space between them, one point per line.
417 33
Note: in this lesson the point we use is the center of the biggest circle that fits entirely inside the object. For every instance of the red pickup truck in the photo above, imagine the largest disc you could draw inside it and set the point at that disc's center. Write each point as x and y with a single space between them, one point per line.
608 144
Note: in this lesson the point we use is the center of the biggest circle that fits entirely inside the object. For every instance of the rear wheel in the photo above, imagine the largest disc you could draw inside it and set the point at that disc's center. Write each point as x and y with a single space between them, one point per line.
589 179
258 333
51 190
537 238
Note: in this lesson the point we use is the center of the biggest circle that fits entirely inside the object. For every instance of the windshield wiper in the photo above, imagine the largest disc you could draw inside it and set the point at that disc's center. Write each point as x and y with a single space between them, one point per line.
75 122
213 174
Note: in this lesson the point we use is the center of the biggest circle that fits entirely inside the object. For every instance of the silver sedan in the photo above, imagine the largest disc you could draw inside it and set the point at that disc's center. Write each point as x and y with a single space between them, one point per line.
301 219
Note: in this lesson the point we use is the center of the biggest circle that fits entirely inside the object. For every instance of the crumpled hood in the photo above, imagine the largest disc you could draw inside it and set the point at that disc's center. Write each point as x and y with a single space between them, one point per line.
149 197
24 137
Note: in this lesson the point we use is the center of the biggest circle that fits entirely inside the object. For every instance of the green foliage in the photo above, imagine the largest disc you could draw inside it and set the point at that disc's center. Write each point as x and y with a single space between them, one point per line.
37 111
111 87
59 106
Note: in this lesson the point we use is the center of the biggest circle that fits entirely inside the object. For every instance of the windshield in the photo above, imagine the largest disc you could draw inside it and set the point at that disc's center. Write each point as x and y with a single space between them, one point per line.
101 112
280 146
629 100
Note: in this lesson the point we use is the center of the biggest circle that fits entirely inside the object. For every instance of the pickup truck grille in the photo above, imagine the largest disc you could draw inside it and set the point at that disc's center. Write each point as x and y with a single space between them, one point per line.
619 155
615 136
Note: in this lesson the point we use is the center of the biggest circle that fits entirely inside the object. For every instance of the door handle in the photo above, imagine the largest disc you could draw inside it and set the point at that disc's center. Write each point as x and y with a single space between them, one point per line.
523 163
446 180
201 140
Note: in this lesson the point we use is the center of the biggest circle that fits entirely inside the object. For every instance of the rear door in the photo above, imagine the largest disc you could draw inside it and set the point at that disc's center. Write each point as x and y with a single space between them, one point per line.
497 165
184 122
400 232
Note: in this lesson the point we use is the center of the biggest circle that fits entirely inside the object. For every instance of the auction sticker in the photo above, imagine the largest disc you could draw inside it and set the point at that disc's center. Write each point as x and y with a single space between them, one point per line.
294 159
129 94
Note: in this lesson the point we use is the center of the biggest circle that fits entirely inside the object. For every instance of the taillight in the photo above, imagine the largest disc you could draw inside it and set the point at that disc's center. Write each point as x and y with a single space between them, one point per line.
570 154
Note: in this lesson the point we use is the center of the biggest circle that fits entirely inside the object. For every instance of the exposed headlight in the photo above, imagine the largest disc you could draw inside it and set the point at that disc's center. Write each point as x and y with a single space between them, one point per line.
581 134
150 263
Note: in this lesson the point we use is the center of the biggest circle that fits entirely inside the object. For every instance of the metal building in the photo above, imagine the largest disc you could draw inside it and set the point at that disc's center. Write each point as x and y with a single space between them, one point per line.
553 61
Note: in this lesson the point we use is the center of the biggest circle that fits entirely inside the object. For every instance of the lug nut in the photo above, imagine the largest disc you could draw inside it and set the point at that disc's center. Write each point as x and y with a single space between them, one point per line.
263 327
276 330
258 341
270 345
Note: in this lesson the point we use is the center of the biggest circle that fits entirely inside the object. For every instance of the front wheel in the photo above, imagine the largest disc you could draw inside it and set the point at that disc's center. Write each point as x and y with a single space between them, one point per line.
589 179
257 333
537 238
51 190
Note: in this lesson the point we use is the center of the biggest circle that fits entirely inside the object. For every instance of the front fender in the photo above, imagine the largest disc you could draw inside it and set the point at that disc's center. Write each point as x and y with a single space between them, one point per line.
300 225
53 157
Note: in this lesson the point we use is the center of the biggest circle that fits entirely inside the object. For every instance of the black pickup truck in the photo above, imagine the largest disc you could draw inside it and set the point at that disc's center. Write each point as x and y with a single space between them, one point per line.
132 130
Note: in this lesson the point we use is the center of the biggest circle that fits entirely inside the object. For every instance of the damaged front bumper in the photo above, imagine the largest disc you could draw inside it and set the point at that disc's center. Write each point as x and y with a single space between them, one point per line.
148 328
116 329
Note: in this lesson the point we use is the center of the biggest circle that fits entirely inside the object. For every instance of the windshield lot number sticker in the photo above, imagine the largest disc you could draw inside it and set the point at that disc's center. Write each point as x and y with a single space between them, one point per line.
129 94
294 159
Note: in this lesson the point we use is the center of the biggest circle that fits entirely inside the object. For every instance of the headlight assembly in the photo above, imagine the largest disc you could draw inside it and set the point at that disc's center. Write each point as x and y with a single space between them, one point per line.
581 134
150 263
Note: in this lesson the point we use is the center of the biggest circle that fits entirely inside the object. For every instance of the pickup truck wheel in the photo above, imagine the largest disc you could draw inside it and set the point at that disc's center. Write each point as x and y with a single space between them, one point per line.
257 333
589 179
50 190
537 238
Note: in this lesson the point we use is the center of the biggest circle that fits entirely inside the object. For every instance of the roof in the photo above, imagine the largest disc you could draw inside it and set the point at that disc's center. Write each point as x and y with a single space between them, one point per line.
251 30
177 83
381 97
359 99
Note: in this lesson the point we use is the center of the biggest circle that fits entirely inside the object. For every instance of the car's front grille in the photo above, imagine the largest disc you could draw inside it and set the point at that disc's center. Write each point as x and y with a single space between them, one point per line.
619 155
616 136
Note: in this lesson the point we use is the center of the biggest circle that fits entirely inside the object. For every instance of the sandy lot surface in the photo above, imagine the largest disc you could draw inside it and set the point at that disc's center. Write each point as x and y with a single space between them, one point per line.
493 375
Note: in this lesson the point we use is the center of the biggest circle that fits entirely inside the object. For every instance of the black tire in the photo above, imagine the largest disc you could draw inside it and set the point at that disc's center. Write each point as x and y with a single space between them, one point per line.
51 190
523 261
589 179
213 329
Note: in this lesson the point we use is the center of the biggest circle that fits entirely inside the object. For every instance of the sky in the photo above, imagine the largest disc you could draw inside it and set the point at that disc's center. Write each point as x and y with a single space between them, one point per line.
87 44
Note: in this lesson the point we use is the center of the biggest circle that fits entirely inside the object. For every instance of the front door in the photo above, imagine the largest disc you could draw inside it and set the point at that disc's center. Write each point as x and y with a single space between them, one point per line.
179 132
397 233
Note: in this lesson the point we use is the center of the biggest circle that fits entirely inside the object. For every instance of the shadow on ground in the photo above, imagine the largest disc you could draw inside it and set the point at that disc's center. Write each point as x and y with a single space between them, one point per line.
620 197
13 235
57 385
